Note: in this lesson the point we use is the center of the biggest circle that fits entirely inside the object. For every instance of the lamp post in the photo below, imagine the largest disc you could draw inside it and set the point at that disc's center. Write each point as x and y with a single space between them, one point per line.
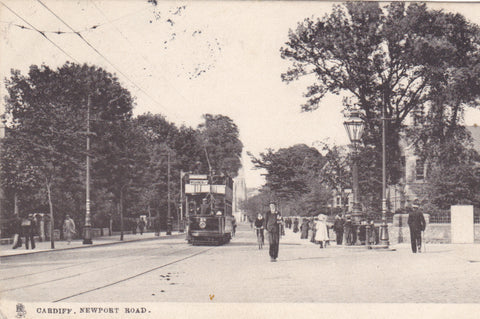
87 238
354 126
384 240
2 194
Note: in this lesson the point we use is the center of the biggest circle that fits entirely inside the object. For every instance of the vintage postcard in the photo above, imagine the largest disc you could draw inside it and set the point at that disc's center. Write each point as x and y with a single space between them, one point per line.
240 159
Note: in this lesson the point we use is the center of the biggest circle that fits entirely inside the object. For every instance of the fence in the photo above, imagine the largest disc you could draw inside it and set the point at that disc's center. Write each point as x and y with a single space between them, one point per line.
444 217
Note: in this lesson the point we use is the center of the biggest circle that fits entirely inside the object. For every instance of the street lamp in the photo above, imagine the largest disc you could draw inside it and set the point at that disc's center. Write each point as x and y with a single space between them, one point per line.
87 238
354 126
384 241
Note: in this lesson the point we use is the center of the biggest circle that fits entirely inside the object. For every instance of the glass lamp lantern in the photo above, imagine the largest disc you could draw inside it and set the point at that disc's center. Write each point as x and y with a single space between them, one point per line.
354 126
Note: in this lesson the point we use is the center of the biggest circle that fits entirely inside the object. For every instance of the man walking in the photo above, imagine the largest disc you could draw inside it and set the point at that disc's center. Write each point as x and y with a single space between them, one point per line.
273 220
416 223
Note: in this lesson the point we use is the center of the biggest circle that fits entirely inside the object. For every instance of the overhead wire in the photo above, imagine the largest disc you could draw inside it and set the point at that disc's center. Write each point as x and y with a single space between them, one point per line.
142 55
104 57
39 31
93 27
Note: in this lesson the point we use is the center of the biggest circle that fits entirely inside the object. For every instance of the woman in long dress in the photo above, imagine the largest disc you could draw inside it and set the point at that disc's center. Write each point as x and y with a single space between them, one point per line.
321 236
69 228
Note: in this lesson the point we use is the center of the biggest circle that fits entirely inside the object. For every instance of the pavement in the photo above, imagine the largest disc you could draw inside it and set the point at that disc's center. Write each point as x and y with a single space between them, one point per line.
60 245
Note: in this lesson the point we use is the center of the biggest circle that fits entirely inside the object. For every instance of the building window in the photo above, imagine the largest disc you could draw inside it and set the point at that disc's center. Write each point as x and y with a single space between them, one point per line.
338 201
420 169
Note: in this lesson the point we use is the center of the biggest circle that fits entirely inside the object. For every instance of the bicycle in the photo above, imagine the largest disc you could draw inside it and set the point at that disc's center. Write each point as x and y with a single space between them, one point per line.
260 237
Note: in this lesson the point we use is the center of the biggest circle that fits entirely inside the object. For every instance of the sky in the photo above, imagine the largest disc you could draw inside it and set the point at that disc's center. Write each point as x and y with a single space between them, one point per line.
185 59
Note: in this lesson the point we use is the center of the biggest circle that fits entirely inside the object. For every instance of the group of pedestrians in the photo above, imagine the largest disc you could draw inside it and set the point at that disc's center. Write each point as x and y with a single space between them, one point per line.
273 222
315 228
138 224
26 228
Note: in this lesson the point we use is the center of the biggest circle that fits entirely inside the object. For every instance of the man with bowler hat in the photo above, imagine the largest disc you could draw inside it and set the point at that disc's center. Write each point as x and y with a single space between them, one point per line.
416 223
273 221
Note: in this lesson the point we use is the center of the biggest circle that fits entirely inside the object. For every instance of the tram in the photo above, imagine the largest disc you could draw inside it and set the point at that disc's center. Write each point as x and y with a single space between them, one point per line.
208 206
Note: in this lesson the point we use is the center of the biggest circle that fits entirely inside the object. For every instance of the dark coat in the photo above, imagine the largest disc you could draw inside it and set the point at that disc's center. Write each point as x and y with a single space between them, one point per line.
259 222
272 222
416 221
29 230
338 225
16 226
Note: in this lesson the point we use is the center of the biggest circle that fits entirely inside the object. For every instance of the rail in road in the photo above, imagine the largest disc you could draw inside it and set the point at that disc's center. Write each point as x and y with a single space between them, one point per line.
134 276
16 283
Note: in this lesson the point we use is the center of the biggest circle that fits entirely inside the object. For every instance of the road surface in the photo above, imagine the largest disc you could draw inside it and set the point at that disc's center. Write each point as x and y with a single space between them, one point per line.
170 270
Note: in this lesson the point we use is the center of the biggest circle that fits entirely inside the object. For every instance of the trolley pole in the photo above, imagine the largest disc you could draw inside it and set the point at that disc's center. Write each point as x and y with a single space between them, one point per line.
181 228
169 211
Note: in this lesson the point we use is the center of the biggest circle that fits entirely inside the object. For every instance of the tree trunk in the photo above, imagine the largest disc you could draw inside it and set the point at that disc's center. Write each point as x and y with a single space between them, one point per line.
120 213
15 204
52 240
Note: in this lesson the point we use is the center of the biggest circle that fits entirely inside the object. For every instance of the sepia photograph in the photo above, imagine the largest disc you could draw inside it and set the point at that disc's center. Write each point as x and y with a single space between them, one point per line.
239 159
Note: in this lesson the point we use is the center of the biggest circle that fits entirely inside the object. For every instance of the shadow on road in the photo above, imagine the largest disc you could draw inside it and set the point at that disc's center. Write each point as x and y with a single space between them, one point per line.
240 243
304 258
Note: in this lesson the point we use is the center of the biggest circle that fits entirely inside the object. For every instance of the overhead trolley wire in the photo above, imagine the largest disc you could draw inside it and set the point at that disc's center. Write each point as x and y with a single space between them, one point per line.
39 31
141 54
93 27
103 56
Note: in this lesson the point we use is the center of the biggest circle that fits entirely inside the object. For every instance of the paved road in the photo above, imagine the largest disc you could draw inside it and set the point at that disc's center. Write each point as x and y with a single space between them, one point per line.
170 270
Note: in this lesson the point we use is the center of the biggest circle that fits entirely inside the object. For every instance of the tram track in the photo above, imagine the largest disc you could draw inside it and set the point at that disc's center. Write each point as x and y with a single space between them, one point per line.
84 272
138 252
134 276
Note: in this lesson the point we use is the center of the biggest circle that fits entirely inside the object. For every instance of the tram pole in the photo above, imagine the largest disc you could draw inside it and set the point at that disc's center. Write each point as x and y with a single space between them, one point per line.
169 211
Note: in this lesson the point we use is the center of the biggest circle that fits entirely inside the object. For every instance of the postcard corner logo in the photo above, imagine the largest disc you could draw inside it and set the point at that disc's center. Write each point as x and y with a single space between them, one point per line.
21 312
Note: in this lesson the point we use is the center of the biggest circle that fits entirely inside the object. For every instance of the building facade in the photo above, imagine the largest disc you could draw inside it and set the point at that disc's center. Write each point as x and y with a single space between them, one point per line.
413 181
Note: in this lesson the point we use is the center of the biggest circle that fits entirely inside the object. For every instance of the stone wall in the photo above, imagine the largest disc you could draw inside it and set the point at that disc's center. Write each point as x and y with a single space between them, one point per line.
434 233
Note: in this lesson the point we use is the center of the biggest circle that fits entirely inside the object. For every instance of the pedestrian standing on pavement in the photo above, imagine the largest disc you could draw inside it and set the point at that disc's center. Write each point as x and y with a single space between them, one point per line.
17 232
321 235
69 228
134 226
28 230
295 225
348 227
273 220
416 223
313 227
156 226
234 226
141 226
338 229
304 229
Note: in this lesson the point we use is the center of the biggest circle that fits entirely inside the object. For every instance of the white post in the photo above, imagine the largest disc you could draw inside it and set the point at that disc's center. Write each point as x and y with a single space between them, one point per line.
462 227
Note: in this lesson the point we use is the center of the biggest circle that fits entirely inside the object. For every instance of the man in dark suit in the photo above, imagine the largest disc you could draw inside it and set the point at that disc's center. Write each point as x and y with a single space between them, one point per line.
417 224
273 221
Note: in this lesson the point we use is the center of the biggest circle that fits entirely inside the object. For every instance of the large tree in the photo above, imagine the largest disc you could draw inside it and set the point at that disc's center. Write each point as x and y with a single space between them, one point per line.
219 138
395 58
46 115
294 178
